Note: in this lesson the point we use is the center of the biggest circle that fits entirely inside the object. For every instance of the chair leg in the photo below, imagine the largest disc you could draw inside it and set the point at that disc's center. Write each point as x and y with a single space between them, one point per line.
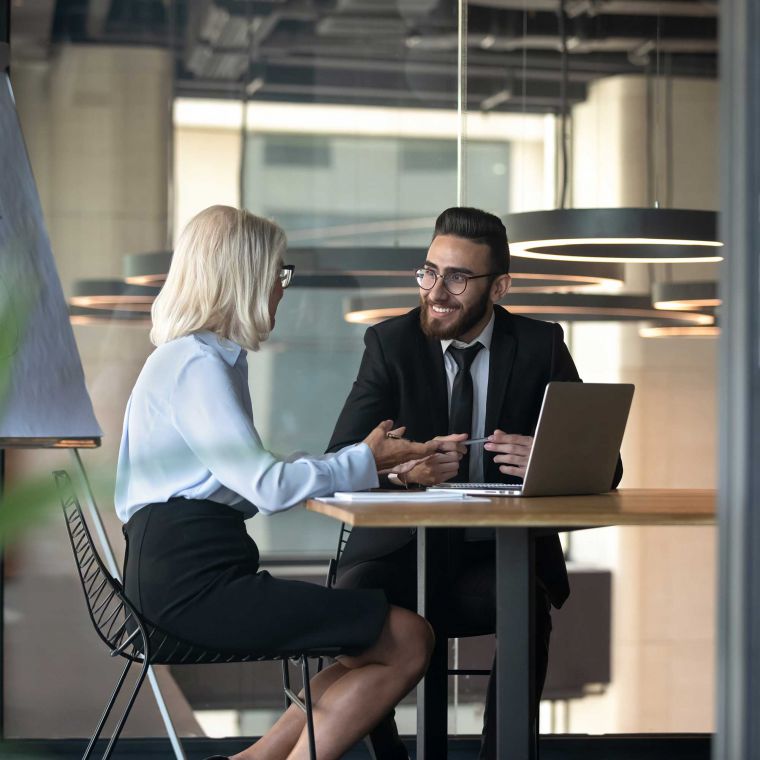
127 710
286 682
307 703
107 711
370 748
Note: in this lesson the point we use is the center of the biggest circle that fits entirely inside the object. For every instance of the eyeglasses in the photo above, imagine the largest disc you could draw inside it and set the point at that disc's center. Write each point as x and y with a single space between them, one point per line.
454 282
286 274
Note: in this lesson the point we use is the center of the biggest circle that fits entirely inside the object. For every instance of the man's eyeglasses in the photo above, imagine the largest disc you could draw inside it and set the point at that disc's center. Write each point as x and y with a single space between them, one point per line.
286 275
454 282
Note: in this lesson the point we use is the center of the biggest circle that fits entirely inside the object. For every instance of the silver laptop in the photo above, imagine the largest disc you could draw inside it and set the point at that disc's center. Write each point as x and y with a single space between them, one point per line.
577 440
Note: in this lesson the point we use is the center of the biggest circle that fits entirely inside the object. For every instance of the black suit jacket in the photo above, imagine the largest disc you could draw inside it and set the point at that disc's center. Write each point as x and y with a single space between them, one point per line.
402 377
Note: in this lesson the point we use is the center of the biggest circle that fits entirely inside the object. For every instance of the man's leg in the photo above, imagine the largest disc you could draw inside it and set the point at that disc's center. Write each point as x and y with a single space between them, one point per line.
396 575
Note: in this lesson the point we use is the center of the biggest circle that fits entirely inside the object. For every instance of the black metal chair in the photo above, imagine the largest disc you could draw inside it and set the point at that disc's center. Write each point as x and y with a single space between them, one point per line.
332 568
130 635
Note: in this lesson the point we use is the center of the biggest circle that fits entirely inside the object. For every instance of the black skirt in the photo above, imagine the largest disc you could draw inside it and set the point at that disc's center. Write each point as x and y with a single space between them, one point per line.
192 569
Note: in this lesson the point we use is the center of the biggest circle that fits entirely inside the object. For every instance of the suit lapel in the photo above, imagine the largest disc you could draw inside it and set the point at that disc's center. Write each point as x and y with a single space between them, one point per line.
503 345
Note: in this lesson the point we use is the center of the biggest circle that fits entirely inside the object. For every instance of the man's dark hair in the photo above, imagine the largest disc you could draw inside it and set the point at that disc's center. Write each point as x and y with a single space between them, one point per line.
480 227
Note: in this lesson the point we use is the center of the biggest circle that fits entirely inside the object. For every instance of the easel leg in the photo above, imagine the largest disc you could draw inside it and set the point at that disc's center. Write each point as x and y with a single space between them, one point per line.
110 560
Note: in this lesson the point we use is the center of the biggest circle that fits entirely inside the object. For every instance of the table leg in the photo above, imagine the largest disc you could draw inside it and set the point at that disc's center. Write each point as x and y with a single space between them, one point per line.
432 692
514 643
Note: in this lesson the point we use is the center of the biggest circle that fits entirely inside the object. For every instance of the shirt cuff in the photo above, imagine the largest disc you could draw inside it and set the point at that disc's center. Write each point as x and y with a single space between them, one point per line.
356 470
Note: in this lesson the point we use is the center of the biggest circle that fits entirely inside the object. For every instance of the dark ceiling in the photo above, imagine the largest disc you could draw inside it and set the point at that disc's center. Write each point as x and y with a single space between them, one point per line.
399 52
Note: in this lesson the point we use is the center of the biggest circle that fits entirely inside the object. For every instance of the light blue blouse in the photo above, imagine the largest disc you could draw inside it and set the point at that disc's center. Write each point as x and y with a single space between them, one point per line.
188 431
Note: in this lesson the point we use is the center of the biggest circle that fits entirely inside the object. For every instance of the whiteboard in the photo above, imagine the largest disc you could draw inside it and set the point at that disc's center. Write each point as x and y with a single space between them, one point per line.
43 398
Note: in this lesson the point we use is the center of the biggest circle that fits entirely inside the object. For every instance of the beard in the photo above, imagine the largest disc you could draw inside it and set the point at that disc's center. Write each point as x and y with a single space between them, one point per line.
465 321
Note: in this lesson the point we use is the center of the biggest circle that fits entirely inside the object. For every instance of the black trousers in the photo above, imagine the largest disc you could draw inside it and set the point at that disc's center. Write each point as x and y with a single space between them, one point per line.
470 611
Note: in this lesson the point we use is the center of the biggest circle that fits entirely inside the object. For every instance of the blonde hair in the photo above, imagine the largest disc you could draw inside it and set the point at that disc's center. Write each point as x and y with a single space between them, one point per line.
222 273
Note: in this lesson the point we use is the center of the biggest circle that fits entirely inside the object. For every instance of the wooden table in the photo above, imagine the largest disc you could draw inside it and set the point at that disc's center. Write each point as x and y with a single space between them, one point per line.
516 520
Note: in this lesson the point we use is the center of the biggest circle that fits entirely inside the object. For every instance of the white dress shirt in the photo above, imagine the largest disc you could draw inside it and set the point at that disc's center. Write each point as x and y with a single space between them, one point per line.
189 432
479 373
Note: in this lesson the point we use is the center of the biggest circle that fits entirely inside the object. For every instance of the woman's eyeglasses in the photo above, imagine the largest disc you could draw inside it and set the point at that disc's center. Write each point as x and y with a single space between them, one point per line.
454 282
286 275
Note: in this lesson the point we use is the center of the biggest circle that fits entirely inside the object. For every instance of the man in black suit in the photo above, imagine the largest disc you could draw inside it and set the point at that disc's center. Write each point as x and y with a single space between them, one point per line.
457 366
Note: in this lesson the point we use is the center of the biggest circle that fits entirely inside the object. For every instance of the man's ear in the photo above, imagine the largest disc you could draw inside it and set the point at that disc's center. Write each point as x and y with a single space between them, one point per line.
500 286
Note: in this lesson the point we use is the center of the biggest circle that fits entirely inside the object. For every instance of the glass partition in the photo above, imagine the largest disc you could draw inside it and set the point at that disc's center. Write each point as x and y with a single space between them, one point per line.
640 130
341 122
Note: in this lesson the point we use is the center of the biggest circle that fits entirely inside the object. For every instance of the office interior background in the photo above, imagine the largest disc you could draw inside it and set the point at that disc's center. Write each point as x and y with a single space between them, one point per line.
338 119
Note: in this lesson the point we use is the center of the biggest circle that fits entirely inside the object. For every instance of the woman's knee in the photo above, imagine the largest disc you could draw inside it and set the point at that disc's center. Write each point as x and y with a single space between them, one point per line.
413 639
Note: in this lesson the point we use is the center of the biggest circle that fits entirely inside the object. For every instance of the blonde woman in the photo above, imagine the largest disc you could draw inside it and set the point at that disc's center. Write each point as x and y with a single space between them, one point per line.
192 469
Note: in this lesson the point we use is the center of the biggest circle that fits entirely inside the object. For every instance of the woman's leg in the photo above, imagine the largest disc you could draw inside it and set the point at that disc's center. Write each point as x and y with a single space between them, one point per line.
281 738
350 697
376 681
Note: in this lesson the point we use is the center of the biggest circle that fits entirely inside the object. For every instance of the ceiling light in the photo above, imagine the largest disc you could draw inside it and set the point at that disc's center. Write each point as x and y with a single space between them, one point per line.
147 268
393 267
80 315
556 307
502 96
624 235
112 294
684 296
655 330
387 267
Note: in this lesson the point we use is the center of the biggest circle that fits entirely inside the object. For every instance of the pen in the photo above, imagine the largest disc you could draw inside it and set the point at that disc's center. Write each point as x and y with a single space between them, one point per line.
474 440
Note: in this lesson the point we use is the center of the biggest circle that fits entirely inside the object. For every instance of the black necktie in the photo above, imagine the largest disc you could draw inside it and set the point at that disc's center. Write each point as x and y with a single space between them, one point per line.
460 416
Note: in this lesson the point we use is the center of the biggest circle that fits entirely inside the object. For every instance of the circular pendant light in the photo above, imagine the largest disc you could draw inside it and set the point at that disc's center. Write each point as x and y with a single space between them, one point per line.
393 267
147 268
684 296
556 307
386 267
81 315
663 330
623 235
112 295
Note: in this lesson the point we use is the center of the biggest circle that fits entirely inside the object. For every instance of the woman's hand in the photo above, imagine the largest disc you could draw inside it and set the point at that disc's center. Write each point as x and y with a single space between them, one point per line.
389 447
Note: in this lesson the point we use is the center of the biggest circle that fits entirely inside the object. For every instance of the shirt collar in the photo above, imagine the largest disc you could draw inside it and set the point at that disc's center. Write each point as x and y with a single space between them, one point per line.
484 338
227 349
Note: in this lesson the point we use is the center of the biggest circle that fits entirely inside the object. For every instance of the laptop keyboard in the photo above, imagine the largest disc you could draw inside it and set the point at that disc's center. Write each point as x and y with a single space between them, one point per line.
502 486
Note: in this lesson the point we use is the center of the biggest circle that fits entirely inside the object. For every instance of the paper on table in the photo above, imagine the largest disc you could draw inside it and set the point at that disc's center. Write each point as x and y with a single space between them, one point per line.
367 496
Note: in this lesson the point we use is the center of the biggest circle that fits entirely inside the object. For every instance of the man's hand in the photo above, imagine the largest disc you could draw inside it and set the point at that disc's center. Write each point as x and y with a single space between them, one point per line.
390 448
512 452
437 468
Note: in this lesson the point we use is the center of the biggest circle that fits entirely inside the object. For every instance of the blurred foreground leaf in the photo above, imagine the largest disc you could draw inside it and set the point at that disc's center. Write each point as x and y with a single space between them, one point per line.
25 504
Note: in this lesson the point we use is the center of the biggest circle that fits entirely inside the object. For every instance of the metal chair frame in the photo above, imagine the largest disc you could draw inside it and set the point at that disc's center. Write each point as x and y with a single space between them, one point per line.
128 634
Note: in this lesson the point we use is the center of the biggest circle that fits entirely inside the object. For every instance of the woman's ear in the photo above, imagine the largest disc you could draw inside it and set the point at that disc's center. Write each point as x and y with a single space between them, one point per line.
500 286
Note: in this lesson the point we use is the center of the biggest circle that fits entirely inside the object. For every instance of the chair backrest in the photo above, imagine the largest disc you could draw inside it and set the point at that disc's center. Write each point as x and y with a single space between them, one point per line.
127 632
113 617
332 568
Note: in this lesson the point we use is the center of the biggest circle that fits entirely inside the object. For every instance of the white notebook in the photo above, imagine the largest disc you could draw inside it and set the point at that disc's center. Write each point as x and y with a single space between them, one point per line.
391 496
